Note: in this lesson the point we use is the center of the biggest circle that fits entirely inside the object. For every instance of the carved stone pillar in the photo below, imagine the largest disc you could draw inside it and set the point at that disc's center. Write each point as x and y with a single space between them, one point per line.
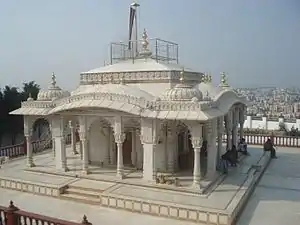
242 121
220 125
29 150
73 136
235 121
28 122
197 141
59 143
119 139
112 148
229 129
171 139
139 150
84 144
133 148
212 151
149 139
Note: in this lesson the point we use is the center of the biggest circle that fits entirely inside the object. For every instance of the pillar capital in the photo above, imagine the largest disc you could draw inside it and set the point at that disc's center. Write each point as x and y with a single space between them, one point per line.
197 143
119 137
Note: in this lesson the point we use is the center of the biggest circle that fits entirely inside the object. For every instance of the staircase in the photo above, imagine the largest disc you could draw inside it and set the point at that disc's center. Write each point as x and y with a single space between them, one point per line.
82 194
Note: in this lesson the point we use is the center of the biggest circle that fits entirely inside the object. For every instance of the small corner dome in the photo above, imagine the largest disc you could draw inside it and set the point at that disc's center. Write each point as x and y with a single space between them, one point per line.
53 92
183 92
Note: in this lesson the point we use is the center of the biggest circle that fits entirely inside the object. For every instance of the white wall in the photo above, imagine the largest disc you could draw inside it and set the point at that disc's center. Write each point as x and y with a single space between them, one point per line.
264 123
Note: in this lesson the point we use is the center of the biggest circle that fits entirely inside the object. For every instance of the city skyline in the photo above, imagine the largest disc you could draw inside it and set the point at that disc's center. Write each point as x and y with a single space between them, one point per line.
255 42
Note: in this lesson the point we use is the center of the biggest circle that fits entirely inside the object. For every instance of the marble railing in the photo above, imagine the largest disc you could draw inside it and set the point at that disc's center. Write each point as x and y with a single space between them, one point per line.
18 150
12 215
281 141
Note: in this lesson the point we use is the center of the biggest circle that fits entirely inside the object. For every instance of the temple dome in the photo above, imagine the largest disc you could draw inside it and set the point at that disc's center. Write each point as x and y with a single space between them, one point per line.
53 92
183 92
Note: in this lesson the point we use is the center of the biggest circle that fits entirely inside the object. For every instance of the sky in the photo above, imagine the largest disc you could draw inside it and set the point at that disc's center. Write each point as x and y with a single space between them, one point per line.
256 42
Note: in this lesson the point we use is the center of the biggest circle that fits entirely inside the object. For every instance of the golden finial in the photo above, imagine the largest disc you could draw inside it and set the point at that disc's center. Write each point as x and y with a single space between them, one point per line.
53 79
181 76
223 82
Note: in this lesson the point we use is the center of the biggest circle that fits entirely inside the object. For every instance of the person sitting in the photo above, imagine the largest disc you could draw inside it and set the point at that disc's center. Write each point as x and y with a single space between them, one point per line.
242 146
234 155
269 147
230 156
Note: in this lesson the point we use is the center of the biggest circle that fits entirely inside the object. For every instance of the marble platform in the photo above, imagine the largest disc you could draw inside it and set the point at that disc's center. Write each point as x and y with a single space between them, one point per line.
220 205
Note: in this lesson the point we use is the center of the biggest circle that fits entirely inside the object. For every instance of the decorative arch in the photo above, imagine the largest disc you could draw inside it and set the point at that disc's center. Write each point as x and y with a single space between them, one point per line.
104 121
227 99
40 128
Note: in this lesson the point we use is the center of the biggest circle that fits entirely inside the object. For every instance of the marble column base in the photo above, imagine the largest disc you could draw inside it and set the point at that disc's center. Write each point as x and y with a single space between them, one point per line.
30 164
196 186
120 175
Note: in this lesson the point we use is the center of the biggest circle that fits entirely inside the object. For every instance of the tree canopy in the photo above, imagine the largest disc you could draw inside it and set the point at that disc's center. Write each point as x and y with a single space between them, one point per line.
10 99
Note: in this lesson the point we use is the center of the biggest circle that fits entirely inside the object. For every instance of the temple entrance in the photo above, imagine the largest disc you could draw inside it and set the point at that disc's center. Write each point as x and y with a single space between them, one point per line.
127 148
185 152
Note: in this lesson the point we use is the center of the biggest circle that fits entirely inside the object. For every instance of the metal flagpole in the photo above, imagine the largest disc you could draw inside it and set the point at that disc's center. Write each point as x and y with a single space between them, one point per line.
135 6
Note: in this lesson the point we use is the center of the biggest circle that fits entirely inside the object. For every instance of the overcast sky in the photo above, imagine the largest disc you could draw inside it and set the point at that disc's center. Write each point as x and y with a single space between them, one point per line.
255 41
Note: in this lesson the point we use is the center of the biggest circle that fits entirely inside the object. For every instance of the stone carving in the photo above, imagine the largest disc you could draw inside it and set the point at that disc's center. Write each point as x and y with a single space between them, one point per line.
196 142
119 137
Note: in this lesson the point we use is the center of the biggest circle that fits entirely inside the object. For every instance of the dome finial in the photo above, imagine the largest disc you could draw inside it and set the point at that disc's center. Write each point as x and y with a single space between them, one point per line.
29 97
204 77
145 51
53 79
182 75
223 82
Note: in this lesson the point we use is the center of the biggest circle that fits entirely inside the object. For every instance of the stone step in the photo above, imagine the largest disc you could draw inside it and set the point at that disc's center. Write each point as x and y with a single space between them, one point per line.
84 193
81 199
84 188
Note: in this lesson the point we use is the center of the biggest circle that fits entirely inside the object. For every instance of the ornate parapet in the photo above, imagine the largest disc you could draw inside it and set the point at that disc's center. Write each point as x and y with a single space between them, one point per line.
135 77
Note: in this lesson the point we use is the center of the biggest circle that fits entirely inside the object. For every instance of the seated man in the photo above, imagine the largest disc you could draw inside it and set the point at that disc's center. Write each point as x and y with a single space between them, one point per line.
230 156
269 147
242 147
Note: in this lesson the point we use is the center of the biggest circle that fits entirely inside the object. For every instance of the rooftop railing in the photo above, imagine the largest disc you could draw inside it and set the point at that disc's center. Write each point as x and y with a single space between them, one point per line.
12 215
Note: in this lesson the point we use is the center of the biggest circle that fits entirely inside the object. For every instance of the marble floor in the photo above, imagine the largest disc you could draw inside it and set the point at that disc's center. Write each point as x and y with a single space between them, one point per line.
219 199
276 199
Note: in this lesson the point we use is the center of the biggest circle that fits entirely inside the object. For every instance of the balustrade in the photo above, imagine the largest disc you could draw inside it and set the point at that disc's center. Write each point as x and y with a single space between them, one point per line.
11 215
18 150
280 141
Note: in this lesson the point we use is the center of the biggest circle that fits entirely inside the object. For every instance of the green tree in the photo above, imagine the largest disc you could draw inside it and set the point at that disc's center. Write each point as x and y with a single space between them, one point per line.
30 89
10 99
